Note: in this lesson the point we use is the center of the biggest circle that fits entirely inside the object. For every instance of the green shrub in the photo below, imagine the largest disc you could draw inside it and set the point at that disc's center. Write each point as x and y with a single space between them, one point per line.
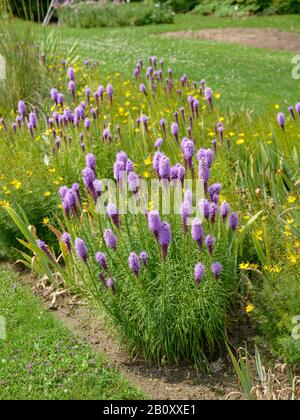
108 15
28 9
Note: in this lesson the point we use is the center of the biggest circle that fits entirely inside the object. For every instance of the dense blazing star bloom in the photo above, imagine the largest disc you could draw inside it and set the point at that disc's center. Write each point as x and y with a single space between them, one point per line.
122 157
101 259
43 247
32 119
105 134
204 173
81 249
22 108
71 199
233 221
165 237
297 108
154 222
60 99
216 269
133 182
199 272
224 210
63 191
188 150
94 113
207 155
109 91
196 106
198 232
143 89
186 210
54 94
158 142
71 74
134 263
76 189
111 285
155 162
98 188
119 170
88 176
175 130
214 189
281 119
208 96
88 94
170 72
90 160
180 172
136 72
144 258
72 88
110 239
129 166
213 210
164 170
113 213
100 92
66 239
210 242
204 207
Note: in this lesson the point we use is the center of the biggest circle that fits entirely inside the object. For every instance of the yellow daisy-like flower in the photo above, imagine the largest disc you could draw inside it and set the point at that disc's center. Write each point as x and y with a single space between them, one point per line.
249 308
259 235
148 161
4 204
240 141
217 95
47 194
45 220
293 259
276 106
291 199
17 184
146 174
51 170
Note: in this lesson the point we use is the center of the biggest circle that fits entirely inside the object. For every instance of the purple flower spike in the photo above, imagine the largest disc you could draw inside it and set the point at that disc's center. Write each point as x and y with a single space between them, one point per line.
134 263
91 161
208 96
297 108
281 119
88 176
54 94
164 169
71 74
22 108
109 91
154 222
110 239
43 247
113 213
87 123
216 269
144 258
66 239
213 210
158 143
101 259
143 89
291 111
198 232
233 221
224 210
204 208
174 130
209 242
110 284
199 272
81 249
165 238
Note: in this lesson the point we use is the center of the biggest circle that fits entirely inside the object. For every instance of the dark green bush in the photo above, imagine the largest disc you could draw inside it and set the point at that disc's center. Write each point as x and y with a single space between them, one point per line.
91 15
28 9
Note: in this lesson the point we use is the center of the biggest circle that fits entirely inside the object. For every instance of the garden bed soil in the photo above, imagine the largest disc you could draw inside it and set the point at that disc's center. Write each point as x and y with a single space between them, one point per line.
251 37
181 382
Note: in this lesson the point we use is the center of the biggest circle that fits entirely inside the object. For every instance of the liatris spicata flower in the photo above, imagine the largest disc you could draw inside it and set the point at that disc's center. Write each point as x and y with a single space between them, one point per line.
281 119
204 208
209 242
71 199
102 278
208 96
164 170
87 123
129 166
133 182
297 108
43 247
134 263
88 94
207 155
186 212
88 176
81 249
143 89
155 162
72 89
110 239
63 191
122 156
22 108
60 99
119 170
98 188
101 259
198 232
113 213
224 210
214 189
144 258
71 74
188 150
110 284
213 210
179 171
174 130
158 143
216 269
66 239
162 123
165 237
54 94
199 272
204 173
154 222
91 161
109 91
233 221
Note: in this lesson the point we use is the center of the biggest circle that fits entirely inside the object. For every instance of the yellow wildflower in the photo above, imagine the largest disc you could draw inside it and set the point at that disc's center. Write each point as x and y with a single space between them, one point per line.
47 194
249 308
45 220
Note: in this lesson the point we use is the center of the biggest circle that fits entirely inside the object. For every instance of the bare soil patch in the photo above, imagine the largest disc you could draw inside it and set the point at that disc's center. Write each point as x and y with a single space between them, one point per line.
181 382
252 37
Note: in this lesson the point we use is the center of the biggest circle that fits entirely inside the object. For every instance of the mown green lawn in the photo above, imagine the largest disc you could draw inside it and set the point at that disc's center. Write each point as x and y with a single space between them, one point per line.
40 359
247 77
